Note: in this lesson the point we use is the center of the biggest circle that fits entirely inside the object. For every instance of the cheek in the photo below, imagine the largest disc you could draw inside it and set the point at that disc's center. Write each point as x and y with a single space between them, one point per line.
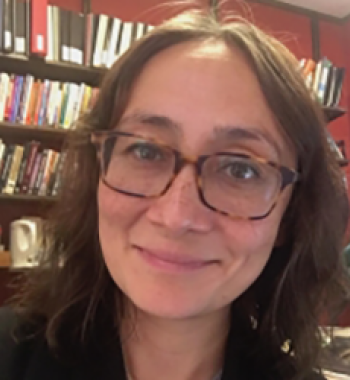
249 244
117 213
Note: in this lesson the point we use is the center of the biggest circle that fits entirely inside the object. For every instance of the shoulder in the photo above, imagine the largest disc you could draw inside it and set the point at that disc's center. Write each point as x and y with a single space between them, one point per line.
8 345
22 357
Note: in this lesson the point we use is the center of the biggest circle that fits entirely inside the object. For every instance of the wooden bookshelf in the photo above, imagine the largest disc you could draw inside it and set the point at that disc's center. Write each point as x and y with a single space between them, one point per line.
333 113
60 71
30 132
5 259
27 198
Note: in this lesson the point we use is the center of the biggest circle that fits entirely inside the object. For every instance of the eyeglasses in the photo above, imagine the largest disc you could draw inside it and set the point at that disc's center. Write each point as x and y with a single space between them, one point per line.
234 184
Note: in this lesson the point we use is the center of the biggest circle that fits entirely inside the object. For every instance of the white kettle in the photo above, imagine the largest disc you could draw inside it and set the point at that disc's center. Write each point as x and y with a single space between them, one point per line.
25 242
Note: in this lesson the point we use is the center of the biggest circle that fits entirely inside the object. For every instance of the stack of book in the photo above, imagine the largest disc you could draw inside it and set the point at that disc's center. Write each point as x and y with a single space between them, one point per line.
29 169
324 79
57 34
35 102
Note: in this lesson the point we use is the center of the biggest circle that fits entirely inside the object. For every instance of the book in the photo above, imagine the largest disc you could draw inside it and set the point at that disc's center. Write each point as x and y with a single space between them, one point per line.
38 39
22 167
324 77
126 38
64 34
113 47
50 34
10 184
77 29
8 25
7 165
35 172
100 38
21 40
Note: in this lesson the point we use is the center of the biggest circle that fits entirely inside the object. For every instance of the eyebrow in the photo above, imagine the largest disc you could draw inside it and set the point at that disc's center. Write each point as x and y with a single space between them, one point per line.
237 133
163 122
222 132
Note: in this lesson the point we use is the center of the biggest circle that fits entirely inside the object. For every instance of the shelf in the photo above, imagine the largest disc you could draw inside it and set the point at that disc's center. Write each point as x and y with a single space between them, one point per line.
5 259
27 198
333 113
343 163
60 71
29 132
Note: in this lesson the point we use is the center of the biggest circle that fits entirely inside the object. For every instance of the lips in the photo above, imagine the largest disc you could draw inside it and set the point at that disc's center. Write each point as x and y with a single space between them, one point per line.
173 262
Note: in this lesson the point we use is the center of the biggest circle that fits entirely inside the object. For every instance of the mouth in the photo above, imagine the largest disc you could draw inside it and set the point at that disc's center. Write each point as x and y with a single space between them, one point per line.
171 262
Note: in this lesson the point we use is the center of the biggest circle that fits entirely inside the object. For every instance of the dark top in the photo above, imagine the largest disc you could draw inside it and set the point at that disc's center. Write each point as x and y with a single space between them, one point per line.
32 360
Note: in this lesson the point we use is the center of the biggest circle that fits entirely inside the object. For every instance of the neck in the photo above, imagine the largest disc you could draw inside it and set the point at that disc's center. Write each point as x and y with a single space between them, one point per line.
162 348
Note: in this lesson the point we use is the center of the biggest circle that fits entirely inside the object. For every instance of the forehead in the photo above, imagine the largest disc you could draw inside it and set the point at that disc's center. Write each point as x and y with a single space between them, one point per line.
200 86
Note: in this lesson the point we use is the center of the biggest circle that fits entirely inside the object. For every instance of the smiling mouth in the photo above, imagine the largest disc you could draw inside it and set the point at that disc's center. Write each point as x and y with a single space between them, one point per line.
172 263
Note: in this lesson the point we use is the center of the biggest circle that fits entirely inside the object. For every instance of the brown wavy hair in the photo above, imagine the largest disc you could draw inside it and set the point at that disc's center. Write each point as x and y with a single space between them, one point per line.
72 299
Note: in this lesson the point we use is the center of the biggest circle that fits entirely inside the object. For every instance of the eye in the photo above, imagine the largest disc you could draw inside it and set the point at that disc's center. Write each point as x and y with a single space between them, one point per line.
241 170
146 151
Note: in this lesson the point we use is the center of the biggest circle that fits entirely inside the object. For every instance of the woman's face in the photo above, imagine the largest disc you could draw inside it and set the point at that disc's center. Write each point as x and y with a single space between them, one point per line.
172 256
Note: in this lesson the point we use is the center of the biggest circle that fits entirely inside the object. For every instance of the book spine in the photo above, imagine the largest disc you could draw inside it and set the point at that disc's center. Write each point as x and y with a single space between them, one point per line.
29 168
13 173
5 80
16 100
24 110
38 42
22 167
38 103
58 174
7 165
34 173
9 98
46 173
40 172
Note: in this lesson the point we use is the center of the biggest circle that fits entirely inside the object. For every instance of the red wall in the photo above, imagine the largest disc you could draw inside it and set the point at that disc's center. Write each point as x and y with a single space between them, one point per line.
149 11
293 29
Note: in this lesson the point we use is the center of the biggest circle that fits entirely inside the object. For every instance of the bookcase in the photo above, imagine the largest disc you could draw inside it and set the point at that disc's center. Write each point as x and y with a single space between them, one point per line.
15 206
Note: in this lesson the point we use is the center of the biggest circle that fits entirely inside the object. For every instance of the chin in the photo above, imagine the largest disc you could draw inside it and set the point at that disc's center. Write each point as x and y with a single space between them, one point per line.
172 304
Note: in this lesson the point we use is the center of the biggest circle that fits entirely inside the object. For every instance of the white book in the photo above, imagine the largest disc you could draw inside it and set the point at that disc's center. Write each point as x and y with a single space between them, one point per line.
2 150
112 49
149 28
126 37
4 87
322 87
51 102
77 105
55 32
140 30
72 97
57 107
100 38
50 32
107 42
308 80
318 72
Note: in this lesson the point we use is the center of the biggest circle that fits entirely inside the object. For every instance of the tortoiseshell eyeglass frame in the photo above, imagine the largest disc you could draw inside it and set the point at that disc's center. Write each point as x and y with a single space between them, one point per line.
288 175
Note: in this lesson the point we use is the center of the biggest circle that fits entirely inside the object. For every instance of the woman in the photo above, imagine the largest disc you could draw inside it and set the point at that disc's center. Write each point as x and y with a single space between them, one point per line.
199 229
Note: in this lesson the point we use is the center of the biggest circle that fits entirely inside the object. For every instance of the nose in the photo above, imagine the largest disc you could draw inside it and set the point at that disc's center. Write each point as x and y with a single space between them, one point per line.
180 210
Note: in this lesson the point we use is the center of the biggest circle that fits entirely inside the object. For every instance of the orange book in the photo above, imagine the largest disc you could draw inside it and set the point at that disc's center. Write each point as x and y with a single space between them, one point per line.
28 115
38 103
309 67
